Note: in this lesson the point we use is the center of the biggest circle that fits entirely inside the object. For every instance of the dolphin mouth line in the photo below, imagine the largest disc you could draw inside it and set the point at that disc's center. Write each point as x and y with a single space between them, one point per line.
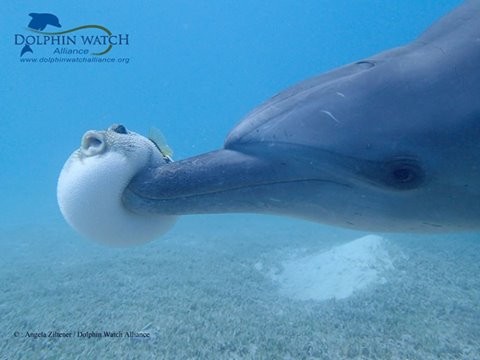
236 188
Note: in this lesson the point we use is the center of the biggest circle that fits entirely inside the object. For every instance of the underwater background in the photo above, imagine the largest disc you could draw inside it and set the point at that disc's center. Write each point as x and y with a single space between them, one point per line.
215 287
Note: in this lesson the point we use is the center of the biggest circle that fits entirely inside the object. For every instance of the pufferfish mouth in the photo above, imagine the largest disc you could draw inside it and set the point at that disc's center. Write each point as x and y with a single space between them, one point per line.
93 143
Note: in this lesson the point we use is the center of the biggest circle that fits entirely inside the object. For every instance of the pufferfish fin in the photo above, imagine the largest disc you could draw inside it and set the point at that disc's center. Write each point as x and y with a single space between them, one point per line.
156 136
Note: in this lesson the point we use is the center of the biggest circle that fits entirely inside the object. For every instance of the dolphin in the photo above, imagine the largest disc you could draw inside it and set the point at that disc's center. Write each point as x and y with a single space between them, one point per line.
40 21
389 143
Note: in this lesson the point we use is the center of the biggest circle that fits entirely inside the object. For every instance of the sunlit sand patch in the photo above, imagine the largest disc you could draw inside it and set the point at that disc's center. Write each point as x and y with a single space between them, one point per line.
336 273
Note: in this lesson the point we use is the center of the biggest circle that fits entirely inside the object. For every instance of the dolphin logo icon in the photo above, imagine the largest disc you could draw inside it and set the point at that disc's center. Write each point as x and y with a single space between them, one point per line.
39 22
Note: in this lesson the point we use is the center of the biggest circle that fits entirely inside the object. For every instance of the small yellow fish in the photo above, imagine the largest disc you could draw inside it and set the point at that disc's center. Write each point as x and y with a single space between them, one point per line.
156 136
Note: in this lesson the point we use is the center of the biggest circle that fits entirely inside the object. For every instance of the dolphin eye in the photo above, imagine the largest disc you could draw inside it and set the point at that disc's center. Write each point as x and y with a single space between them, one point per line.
404 174
119 129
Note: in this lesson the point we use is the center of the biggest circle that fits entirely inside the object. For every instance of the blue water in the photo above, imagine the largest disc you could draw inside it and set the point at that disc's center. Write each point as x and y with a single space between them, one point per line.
195 68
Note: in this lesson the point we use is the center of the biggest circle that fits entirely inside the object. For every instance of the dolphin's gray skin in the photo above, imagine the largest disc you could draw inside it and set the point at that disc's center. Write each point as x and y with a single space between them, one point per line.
389 143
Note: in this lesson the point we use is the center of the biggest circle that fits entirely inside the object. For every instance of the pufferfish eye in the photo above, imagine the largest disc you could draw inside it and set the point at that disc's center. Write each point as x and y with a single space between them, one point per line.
119 129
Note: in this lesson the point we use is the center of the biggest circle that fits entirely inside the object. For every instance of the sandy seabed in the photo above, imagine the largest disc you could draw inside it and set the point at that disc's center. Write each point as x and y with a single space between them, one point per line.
240 287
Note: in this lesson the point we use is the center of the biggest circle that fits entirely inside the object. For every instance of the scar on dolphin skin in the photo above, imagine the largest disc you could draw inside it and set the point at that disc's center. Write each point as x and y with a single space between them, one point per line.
330 115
